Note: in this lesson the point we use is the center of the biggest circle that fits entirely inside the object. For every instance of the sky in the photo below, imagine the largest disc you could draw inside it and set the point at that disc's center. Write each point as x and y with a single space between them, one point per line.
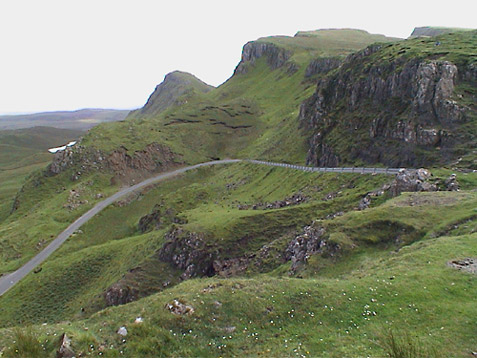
66 55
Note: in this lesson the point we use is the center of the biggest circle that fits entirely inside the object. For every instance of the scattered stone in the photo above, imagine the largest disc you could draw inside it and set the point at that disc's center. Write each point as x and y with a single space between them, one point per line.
411 181
331 196
138 320
332 216
64 350
310 242
122 331
364 203
178 308
295 199
468 265
451 183
230 329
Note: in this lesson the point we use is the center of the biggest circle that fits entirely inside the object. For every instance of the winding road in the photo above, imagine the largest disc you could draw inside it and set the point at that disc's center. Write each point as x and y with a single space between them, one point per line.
9 280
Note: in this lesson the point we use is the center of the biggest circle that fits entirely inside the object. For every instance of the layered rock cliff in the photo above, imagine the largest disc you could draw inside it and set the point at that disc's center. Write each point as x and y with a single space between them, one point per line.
384 105
275 56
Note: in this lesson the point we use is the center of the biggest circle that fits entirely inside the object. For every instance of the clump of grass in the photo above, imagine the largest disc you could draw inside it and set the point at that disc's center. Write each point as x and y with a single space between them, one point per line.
26 344
404 345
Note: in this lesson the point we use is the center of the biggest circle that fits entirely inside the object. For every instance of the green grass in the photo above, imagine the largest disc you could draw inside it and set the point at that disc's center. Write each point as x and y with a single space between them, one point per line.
389 275
208 198
327 317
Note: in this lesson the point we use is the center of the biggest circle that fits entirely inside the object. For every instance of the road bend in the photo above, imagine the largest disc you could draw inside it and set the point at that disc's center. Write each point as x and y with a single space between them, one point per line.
9 280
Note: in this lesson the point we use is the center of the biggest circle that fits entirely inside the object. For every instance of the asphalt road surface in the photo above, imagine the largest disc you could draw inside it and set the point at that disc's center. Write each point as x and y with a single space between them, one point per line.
8 281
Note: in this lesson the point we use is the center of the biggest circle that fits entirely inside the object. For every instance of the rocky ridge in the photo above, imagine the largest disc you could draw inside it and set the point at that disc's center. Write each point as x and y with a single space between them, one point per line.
413 106
125 167
275 56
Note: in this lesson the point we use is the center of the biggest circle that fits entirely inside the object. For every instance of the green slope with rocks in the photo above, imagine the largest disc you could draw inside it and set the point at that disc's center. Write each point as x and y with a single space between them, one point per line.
247 260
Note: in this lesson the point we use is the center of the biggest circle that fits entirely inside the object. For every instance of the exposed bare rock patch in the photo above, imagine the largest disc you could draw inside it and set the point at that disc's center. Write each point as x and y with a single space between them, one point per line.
119 294
127 168
295 199
64 349
179 308
312 240
467 265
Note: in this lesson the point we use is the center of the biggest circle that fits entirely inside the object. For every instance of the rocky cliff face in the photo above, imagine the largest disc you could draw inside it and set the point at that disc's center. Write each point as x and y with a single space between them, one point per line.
386 109
124 166
276 56
322 65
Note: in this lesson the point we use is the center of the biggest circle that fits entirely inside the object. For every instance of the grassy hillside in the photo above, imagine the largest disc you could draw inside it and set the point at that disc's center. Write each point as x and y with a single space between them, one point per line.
435 30
246 116
23 152
82 119
227 240
251 115
352 304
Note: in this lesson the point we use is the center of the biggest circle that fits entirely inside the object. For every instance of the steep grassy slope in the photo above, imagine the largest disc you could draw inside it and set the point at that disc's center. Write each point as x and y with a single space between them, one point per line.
177 88
82 119
259 103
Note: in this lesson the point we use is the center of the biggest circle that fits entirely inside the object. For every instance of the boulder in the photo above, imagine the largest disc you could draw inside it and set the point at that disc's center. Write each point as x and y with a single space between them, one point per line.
122 331
179 308
451 183
64 349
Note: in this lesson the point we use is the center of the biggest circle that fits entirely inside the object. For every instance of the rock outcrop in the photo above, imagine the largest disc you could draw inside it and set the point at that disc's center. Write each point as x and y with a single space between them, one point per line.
189 252
311 241
125 167
119 294
322 65
386 109
179 308
292 200
468 265
275 56
64 349
411 181
157 218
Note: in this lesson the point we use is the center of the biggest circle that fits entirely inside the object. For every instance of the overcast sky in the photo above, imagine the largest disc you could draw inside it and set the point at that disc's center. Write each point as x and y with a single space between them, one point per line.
65 55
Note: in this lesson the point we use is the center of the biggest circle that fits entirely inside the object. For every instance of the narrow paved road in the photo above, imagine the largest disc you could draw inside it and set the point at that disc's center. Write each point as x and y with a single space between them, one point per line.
8 281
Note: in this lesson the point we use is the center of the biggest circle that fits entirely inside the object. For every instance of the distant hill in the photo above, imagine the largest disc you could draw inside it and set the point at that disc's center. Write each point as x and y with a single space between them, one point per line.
82 119
19 145
435 31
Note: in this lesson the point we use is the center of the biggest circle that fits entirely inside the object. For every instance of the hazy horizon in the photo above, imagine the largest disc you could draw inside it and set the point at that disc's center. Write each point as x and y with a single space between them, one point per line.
63 56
